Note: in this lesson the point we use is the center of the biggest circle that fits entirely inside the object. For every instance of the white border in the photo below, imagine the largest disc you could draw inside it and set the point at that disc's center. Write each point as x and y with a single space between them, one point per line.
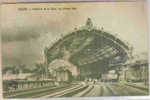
88 98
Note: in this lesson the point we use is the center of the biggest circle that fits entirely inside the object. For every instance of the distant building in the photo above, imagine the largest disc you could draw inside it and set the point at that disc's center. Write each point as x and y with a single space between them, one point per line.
62 74
60 63
10 76
111 75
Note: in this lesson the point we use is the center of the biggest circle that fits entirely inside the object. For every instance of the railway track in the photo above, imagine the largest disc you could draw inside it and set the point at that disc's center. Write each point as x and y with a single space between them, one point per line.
34 92
66 92
80 90
46 92
141 88
83 93
24 91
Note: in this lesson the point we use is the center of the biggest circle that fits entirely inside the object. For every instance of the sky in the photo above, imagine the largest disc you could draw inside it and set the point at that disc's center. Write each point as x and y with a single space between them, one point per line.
25 33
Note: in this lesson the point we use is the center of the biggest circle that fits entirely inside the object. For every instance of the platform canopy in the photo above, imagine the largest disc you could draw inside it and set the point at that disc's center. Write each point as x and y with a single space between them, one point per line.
91 50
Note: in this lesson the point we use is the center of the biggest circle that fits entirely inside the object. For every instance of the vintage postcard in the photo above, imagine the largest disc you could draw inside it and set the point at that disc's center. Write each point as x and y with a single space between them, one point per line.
95 49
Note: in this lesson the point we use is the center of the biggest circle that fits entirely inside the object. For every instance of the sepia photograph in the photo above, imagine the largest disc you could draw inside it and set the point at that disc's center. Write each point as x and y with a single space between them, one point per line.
90 49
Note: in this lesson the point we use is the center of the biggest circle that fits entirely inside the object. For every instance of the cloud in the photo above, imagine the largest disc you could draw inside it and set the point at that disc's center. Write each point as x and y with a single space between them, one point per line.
23 52
24 34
